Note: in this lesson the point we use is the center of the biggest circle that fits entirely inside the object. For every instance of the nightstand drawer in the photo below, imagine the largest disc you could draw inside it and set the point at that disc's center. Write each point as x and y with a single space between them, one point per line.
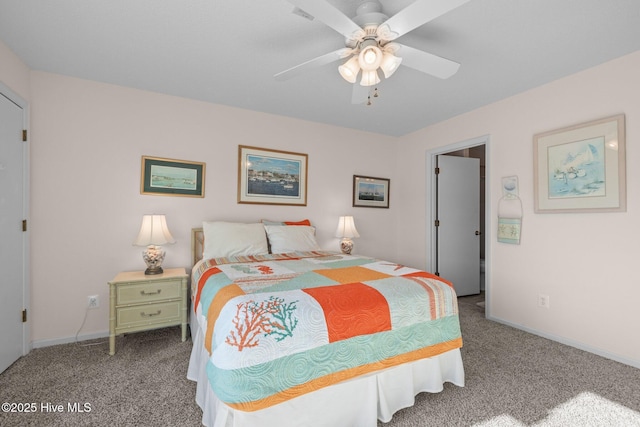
128 317
143 292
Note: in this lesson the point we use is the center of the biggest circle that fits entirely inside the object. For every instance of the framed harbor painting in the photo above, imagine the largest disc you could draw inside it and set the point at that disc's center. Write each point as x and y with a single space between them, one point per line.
370 192
170 177
581 168
271 177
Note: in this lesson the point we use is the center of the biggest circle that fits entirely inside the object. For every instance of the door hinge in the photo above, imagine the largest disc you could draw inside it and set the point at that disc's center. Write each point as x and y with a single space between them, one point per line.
24 225
24 315
436 223
437 171
24 135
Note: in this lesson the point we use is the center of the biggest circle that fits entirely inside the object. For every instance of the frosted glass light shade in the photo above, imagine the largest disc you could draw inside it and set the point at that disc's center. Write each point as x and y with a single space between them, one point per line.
370 56
390 64
350 69
369 78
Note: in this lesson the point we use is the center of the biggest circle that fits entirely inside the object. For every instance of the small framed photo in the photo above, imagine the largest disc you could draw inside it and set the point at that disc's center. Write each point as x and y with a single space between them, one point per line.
581 168
170 177
271 177
510 187
370 192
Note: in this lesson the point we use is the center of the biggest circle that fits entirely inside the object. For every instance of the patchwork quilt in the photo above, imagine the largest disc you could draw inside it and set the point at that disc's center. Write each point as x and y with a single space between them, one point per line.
281 325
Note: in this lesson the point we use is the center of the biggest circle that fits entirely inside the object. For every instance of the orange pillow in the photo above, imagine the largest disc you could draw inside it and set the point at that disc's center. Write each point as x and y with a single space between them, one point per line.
303 222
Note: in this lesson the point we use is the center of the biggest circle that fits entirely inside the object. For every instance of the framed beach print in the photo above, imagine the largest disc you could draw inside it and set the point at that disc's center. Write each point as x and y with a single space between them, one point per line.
581 168
271 176
370 192
170 177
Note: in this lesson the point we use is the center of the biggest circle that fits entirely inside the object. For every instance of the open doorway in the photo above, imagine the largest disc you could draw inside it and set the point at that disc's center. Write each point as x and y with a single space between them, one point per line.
477 148
477 152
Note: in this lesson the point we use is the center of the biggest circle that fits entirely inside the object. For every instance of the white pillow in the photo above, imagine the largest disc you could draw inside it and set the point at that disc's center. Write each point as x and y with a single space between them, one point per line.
225 239
285 239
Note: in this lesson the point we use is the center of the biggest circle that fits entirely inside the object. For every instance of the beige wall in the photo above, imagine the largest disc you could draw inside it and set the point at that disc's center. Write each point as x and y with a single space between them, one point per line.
585 262
87 139
87 143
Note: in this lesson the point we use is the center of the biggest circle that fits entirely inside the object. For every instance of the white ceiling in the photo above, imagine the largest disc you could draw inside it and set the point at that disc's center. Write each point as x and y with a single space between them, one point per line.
227 52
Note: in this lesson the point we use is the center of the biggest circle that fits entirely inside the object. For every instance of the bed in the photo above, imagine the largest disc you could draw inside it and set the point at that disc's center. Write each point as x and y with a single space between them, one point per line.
287 334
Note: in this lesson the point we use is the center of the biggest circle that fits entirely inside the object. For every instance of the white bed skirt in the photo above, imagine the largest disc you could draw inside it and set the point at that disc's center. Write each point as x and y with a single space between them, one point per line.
358 402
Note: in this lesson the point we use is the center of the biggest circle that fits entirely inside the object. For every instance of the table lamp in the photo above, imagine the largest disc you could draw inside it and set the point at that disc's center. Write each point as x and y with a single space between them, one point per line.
153 233
346 230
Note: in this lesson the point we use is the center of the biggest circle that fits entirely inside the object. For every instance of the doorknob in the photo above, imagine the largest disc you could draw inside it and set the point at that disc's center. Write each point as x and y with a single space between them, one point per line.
478 233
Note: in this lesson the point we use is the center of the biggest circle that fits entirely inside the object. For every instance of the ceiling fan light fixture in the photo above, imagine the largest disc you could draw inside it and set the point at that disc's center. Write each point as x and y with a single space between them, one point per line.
369 41
369 78
390 64
349 70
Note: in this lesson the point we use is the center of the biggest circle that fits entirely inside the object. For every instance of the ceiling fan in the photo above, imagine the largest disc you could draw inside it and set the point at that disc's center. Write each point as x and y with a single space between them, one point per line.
369 42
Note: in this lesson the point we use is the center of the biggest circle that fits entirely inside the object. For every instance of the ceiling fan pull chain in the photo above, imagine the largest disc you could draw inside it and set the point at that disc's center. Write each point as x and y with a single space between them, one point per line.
375 93
369 100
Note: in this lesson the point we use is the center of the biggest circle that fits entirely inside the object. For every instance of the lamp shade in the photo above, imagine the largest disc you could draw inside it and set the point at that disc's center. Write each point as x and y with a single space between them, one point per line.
346 228
154 231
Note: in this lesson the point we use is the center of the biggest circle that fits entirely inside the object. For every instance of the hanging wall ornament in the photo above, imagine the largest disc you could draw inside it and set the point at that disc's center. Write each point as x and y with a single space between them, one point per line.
509 212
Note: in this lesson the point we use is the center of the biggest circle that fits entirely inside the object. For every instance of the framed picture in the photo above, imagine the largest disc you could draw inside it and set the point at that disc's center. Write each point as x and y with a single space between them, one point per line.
370 192
169 177
510 187
581 168
271 177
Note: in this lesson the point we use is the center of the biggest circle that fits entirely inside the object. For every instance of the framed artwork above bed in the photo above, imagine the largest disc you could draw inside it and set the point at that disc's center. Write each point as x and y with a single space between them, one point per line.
271 177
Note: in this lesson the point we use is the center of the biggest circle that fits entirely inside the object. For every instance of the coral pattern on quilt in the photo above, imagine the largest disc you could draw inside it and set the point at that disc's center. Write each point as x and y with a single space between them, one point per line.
281 325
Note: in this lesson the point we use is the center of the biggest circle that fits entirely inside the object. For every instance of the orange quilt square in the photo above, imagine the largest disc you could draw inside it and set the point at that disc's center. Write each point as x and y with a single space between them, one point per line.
352 310
352 274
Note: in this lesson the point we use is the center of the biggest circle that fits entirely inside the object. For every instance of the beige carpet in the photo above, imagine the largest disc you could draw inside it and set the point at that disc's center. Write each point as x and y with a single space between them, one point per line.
512 379
143 384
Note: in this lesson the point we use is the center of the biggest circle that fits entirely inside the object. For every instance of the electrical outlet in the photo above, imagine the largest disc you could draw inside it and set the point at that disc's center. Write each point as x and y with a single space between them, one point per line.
543 300
93 301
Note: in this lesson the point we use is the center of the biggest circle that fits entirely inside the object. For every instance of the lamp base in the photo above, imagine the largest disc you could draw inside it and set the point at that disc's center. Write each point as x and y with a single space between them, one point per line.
346 246
153 270
153 257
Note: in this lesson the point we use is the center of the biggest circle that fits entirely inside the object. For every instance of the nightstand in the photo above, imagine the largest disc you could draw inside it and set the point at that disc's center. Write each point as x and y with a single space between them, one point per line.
139 302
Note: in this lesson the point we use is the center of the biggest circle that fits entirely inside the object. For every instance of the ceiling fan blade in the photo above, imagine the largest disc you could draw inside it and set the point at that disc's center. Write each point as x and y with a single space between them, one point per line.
419 13
427 62
329 15
313 63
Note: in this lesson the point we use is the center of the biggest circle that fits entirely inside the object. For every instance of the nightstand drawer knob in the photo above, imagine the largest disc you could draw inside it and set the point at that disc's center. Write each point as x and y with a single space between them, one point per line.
143 314
151 293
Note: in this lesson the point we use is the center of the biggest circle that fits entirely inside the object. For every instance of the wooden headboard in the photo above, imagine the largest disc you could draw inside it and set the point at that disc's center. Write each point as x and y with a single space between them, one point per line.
197 245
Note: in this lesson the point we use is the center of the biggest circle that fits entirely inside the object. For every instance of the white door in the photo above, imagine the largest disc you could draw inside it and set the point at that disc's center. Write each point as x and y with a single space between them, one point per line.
12 242
458 216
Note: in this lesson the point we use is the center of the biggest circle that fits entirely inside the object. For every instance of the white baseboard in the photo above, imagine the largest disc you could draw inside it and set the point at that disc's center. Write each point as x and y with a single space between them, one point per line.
570 343
68 340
